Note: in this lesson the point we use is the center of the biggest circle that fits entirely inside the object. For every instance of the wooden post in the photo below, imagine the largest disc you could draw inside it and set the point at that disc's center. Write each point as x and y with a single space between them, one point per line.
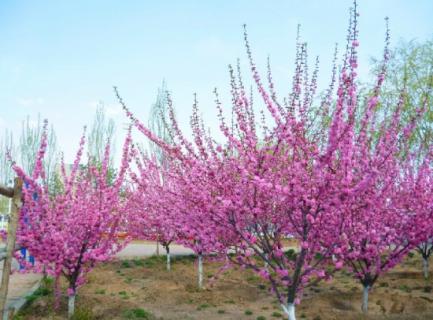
10 245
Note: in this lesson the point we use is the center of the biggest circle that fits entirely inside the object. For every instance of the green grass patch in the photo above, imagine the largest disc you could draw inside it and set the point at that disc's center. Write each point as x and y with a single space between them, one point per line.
83 314
138 313
203 306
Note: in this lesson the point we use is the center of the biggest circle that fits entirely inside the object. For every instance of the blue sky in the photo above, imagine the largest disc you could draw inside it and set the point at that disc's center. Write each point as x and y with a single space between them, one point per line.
59 58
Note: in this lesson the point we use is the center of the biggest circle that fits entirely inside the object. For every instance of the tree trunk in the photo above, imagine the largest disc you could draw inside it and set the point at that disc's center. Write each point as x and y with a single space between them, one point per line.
71 305
290 311
167 249
200 271
157 248
10 245
425 267
365 293
266 262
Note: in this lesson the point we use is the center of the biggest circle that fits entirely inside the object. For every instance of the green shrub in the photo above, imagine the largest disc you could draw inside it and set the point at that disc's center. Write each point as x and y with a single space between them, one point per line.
248 312
138 313
100 291
405 288
203 306
83 314
138 262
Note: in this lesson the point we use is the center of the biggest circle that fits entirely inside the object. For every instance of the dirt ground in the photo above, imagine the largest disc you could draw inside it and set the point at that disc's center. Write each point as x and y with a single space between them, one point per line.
143 289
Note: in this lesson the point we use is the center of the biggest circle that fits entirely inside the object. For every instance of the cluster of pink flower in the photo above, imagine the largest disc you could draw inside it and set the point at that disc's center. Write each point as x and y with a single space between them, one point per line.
70 232
350 193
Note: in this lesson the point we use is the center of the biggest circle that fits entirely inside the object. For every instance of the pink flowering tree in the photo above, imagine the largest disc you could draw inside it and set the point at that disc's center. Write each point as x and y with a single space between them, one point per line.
70 232
163 192
417 191
388 218
151 215
378 229
295 177
160 201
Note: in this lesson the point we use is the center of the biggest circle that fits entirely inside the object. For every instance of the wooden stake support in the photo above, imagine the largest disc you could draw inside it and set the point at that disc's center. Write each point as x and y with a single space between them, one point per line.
15 194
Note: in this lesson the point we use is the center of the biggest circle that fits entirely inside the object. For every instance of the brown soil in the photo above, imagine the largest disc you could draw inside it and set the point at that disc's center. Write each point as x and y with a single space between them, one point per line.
114 290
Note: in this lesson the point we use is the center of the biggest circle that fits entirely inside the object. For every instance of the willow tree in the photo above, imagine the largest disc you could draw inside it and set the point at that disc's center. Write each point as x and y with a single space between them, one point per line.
31 135
411 67
101 131
159 121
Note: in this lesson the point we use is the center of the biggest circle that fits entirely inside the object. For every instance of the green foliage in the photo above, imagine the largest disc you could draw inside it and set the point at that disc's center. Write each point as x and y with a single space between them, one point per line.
138 262
203 306
101 132
44 289
248 312
100 291
276 314
125 264
405 288
410 67
83 314
138 313
159 122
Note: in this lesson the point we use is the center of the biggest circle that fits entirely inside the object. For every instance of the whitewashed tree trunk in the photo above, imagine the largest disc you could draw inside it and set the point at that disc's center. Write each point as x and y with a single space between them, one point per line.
71 305
425 267
365 293
167 249
290 311
200 271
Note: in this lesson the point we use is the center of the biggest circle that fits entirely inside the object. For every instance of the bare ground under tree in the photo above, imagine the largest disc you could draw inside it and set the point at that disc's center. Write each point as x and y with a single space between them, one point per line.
143 289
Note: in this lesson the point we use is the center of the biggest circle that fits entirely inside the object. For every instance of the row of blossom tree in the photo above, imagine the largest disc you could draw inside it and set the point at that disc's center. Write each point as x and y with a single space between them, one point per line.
341 179
353 192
